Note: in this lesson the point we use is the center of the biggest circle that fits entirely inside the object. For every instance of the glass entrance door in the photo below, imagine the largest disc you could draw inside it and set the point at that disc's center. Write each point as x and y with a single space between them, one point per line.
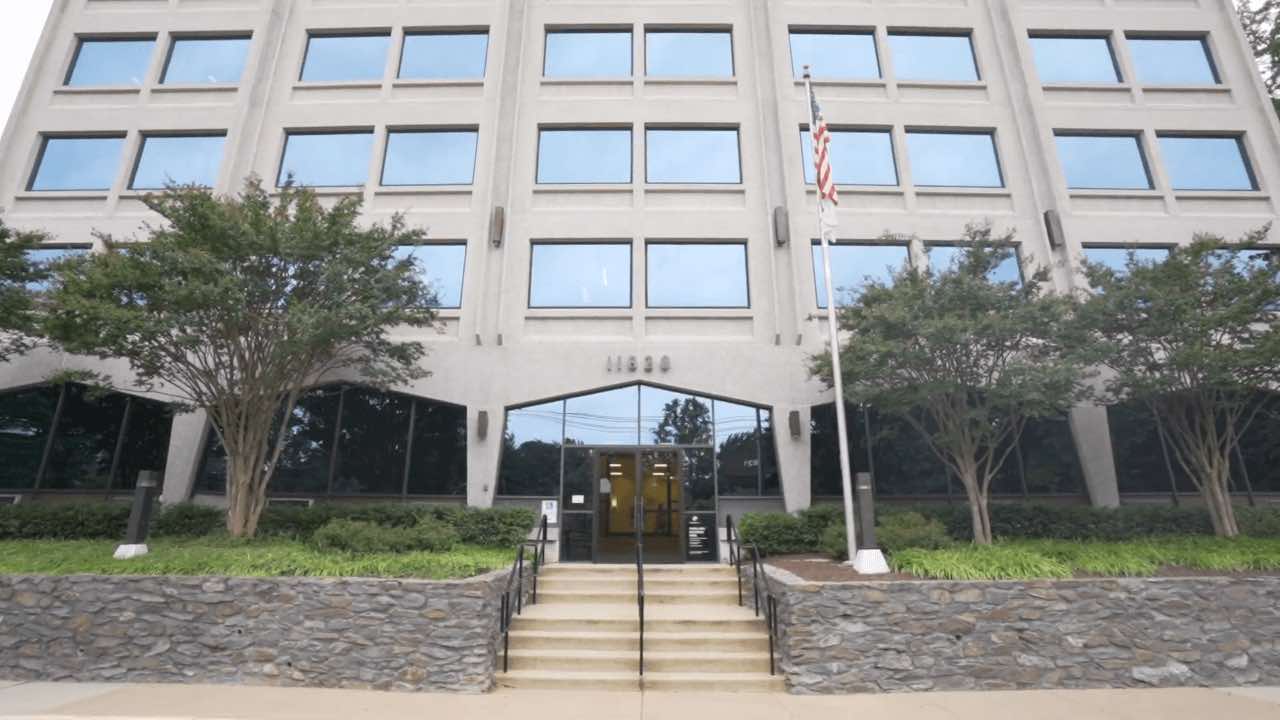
639 498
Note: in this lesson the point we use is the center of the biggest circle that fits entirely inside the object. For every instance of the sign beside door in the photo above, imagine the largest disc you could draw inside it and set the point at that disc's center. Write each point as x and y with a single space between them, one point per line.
550 508
701 543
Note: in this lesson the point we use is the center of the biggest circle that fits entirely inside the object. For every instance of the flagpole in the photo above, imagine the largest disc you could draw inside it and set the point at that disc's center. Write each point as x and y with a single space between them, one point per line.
869 565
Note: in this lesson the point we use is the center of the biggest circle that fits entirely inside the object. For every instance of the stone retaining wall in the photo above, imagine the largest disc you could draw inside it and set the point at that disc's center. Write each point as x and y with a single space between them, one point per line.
933 635
348 632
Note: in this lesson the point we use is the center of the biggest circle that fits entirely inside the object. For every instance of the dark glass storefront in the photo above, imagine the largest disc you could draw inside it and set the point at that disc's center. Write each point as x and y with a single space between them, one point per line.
638 464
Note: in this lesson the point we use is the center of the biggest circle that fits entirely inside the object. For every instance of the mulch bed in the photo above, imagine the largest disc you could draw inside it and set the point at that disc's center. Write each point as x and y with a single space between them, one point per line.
815 567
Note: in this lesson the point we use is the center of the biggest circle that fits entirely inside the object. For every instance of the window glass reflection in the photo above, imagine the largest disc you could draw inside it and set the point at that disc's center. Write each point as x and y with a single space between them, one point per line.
326 159
1205 163
1172 61
438 459
737 449
584 156
835 56
436 157
47 256
681 53
575 54
440 267
78 163
1117 258
305 461
672 418
858 157
944 159
180 160
372 443
1103 162
853 265
943 257
698 475
25 419
945 58
146 442
345 58
580 275
605 418
444 56
531 450
85 440
707 275
692 156
1074 60
200 61
580 479
111 62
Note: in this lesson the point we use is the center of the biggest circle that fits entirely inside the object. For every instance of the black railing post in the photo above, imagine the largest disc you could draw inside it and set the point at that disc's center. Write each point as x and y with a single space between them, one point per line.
506 632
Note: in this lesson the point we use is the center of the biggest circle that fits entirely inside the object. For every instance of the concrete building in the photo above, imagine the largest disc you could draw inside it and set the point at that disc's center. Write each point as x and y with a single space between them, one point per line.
621 224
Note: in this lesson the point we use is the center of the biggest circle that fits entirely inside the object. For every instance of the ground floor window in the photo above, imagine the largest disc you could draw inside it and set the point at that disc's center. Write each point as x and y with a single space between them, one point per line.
901 464
70 437
350 440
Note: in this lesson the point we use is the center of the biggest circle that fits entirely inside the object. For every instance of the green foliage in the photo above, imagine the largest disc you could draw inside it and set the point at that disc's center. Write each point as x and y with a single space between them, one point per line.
224 556
71 521
494 527
820 517
491 527
1259 521
1261 22
360 537
964 359
902 530
1025 560
777 533
188 520
18 306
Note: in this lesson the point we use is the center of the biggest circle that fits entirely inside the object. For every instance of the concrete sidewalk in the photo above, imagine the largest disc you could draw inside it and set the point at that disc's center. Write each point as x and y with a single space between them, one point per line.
56 701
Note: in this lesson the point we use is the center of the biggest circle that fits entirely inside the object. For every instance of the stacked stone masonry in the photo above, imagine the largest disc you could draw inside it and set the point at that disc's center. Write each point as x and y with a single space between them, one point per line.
352 633
933 635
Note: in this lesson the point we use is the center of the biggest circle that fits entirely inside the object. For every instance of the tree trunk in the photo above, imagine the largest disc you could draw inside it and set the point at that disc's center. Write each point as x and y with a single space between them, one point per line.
244 506
979 513
1217 497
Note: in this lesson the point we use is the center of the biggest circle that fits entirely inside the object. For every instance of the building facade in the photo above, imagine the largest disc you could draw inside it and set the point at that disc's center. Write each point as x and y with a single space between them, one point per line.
621 213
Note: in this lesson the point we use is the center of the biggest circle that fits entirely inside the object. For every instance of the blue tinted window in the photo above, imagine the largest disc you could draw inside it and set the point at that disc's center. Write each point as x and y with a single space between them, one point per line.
942 257
858 157
327 159
184 160
1205 163
49 255
1118 258
611 417
444 56
584 156
852 266
580 275
697 275
436 157
692 156
954 159
575 54
441 267
933 57
688 54
69 163
198 61
340 58
1100 161
1172 61
1074 60
835 56
111 62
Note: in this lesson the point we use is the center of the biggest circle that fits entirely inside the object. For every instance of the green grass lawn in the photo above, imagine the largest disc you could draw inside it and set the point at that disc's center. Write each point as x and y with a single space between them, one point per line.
241 558
1031 559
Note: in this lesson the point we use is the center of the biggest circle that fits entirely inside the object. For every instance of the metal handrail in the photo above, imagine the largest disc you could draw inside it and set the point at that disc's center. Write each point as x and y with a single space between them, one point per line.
515 581
758 577
640 578
735 551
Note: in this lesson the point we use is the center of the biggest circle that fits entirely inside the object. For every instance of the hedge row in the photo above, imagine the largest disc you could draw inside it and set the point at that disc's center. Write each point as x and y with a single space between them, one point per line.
496 527
782 533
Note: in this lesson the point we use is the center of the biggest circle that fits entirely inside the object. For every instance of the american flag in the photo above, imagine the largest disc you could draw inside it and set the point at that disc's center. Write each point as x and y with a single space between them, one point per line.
822 152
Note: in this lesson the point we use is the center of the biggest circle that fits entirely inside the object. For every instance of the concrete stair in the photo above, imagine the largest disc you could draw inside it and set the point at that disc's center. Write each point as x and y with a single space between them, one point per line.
584 632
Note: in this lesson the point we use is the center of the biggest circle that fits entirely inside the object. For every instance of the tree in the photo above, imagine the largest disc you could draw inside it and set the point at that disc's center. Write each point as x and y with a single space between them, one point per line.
1261 22
1194 337
18 306
963 359
685 421
238 304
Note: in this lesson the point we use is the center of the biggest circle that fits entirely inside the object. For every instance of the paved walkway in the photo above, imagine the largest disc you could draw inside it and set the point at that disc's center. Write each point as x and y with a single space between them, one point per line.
57 701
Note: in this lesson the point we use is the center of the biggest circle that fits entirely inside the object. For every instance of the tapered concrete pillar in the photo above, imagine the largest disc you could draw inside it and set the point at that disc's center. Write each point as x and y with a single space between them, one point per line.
186 445
793 457
1093 444
483 454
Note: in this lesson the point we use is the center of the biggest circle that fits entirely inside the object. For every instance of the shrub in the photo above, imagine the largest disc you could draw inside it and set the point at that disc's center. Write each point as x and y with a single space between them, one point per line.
899 531
777 533
1259 521
73 521
188 520
991 562
361 537
495 527
821 517
834 542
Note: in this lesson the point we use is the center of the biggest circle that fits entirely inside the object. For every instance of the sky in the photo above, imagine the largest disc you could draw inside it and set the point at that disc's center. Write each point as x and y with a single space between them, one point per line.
23 21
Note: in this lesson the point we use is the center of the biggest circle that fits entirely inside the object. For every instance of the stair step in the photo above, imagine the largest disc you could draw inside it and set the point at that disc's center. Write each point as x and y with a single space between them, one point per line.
557 680
630 641
626 681
573 582
660 596
656 661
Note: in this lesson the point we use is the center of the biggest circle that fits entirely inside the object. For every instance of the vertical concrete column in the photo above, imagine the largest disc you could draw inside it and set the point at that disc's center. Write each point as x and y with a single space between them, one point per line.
793 458
1092 438
186 445
483 456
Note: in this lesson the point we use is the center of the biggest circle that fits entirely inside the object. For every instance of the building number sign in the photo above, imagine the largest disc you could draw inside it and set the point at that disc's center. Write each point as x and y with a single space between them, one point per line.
637 363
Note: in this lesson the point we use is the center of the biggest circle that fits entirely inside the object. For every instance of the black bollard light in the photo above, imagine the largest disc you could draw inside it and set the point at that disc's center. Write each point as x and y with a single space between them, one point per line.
866 512
144 494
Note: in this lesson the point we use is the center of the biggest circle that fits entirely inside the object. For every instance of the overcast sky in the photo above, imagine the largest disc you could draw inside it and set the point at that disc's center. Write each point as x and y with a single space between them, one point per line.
19 31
